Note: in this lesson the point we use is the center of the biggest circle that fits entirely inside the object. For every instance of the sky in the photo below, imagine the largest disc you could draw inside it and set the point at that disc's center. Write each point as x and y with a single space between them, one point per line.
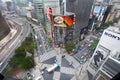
5 0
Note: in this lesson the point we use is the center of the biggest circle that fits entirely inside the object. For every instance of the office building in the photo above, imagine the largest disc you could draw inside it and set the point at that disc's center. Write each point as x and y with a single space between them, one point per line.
82 9
38 11
20 6
105 62
115 11
4 29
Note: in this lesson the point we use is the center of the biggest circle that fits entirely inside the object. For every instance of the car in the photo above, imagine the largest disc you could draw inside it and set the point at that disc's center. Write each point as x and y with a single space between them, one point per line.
83 59
41 72
43 69
29 76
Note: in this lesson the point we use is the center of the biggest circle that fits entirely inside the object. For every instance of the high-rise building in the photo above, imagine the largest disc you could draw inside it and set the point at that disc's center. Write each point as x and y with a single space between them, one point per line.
105 62
115 11
20 6
0 5
39 10
82 9
4 29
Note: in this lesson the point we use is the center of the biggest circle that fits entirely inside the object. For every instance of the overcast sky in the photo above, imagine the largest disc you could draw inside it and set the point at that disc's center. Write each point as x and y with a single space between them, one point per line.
5 0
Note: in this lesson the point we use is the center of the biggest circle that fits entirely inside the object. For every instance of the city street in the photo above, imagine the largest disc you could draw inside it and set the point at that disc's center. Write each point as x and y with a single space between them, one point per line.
41 38
64 72
22 32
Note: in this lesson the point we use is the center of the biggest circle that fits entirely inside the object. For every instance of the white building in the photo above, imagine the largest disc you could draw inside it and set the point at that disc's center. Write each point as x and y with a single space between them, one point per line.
105 62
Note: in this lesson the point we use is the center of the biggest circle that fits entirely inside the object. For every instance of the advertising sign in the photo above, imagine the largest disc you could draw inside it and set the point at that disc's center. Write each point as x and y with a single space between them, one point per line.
49 13
97 9
64 21
99 56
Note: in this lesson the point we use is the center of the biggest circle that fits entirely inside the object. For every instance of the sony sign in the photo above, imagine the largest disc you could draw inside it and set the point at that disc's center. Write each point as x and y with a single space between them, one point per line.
112 36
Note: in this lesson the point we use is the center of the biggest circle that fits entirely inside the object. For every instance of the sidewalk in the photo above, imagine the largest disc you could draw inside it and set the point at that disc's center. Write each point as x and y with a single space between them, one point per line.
83 72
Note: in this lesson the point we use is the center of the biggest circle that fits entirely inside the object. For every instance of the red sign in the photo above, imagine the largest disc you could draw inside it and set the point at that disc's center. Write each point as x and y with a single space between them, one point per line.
49 13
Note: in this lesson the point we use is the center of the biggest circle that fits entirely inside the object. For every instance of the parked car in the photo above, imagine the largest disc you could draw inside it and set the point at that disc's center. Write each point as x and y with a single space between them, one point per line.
83 59
29 76
43 69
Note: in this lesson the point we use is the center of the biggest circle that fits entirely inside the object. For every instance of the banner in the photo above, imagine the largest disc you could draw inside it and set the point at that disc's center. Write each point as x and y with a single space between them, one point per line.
49 13
99 56
63 21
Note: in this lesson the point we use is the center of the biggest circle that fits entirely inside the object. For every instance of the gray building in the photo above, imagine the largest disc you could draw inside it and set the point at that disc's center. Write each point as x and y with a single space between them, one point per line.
82 9
4 29
39 11
109 69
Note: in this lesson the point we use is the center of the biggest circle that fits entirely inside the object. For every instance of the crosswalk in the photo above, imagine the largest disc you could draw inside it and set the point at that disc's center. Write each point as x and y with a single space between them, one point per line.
47 56
67 70
71 59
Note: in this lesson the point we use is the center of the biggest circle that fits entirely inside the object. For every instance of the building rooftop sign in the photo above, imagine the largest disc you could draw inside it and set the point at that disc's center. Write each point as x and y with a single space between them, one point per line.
112 35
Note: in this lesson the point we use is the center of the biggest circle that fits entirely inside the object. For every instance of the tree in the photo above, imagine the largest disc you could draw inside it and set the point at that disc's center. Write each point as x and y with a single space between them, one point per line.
29 45
29 62
50 40
20 60
69 45
94 44
20 51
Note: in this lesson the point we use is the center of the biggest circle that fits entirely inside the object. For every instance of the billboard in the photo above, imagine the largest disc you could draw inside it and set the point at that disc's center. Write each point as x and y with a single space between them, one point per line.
97 9
63 21
49 13
99 57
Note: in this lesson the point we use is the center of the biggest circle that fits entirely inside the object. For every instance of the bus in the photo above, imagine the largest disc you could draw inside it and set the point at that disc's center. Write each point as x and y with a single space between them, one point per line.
53 67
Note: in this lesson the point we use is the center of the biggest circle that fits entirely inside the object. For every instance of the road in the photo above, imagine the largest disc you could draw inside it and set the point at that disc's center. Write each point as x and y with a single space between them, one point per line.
43 46
22 32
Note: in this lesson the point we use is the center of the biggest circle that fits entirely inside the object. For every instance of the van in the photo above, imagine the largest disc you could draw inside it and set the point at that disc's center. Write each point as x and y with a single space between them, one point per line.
53 67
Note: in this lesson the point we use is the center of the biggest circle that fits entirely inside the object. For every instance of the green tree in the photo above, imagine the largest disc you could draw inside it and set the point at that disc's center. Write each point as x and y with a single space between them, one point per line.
69 45
94 44
20 51
50 40
29 62
19 60
13 62
29 45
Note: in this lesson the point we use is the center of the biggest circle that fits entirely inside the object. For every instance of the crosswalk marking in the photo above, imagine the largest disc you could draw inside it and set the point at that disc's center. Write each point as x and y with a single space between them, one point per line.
47 56
67 70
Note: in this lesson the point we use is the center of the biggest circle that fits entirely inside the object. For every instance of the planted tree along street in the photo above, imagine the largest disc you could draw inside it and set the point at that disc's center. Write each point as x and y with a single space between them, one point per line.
23 58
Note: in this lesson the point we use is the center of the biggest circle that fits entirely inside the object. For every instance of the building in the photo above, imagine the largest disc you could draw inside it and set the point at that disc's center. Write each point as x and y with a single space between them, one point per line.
0 5
4 29
105 62
82 9
63 28
115 11
38 11
20 6
99 13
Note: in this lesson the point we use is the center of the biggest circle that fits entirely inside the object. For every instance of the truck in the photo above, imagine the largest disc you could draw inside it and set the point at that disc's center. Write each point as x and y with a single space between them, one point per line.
53 67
